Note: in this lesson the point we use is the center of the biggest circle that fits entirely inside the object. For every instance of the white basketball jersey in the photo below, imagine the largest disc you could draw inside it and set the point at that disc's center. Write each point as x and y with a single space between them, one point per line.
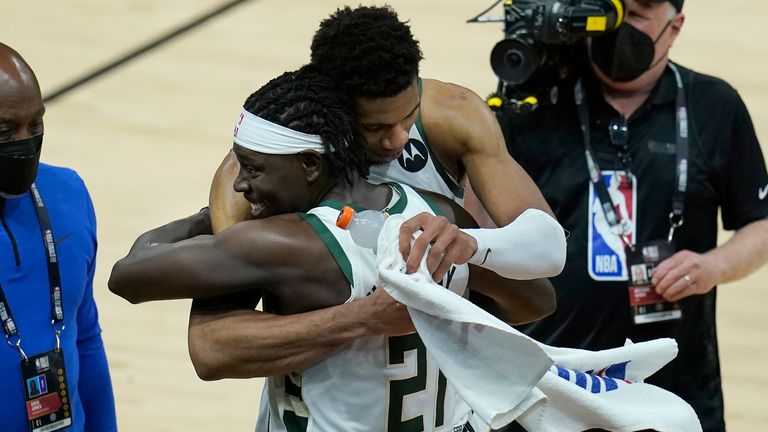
375 383
418 167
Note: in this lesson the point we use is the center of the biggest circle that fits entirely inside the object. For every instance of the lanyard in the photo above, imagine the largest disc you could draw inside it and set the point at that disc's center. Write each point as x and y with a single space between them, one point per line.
623 227
12 336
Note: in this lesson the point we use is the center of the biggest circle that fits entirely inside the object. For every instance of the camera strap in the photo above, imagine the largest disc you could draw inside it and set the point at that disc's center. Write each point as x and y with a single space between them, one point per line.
12 336
623 227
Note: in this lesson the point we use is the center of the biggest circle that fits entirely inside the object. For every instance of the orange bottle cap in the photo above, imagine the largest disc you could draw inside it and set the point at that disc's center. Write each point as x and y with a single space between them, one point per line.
345 217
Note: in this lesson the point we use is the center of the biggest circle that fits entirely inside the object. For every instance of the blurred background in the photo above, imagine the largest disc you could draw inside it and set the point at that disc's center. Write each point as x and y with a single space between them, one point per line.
148 135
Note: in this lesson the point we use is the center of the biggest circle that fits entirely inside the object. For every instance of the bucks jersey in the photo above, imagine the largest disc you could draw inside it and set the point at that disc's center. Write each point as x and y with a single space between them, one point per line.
376 383
418 167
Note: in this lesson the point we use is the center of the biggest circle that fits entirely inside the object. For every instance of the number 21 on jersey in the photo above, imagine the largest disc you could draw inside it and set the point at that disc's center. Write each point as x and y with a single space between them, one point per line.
416 389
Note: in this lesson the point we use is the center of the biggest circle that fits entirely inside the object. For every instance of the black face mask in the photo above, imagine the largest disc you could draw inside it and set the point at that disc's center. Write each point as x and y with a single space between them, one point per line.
18 165
625 54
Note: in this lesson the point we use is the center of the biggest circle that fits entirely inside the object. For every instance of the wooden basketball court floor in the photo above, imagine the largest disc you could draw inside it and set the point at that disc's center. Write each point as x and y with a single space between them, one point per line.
147 137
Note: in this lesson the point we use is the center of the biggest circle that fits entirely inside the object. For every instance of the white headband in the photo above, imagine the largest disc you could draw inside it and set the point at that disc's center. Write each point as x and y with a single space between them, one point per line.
257 134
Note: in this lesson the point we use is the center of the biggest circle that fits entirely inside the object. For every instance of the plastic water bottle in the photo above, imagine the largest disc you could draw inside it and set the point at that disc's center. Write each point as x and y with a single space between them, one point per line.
364 226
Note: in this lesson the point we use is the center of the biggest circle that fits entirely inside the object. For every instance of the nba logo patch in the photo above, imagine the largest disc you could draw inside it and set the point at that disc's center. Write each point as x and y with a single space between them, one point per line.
606 258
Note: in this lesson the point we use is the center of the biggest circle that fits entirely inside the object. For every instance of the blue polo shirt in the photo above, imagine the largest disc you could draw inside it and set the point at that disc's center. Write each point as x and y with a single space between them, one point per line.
24 278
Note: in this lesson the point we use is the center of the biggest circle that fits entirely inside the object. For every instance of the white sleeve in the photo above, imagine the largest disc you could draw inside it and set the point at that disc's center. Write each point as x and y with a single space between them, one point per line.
532 246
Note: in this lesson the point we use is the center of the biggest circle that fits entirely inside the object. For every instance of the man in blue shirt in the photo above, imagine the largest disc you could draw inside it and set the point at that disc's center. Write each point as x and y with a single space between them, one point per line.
53 369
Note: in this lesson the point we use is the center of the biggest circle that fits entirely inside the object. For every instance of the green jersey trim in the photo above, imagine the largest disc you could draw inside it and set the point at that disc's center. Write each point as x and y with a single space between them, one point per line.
431 205
331 243
396 208
399 206
293 420
449 181
295 423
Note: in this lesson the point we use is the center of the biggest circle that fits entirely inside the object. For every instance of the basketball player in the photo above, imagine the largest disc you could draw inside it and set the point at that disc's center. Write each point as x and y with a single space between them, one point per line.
294 132
425 133
399 114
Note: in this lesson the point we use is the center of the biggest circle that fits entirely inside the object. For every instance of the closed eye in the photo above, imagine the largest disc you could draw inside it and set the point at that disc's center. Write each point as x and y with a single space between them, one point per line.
36 128
252 172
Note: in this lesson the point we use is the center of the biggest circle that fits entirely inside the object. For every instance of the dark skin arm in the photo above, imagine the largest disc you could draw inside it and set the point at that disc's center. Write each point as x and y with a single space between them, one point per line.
182 260
468 141
125 281
228 339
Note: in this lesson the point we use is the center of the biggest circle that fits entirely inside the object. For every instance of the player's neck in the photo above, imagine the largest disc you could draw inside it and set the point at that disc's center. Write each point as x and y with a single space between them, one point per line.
361 193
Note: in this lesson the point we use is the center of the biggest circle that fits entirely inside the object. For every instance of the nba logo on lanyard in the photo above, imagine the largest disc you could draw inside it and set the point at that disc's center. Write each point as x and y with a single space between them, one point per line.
605 249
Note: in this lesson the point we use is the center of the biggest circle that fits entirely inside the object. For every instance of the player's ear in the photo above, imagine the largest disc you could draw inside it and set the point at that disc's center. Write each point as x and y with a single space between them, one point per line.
313 164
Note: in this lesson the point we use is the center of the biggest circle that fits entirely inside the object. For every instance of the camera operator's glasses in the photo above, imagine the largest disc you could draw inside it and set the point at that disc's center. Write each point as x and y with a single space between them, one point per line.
619 135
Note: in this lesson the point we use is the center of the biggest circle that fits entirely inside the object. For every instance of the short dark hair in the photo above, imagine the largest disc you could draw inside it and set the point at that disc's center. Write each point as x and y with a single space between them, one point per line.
367 51
308 102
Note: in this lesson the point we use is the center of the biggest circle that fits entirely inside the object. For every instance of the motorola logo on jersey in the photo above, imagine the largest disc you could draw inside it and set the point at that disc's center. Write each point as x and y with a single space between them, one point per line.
415 156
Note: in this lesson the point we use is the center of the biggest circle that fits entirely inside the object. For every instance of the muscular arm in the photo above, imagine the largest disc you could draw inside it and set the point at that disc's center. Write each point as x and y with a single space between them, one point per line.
181 259
228 339
466 137
515 302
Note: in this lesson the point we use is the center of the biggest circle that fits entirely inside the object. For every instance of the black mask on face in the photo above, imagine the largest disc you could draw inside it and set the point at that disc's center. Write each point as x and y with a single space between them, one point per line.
18 165
625 54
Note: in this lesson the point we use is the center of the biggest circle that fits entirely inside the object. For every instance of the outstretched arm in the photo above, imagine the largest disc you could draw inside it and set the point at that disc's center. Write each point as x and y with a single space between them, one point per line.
467 138
182 260
466 135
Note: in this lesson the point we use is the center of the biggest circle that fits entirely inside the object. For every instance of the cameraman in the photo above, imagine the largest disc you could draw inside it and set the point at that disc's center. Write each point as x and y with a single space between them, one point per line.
660 171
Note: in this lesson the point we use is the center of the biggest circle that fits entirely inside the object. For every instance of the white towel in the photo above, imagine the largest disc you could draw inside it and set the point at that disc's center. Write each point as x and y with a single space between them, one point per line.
503 374
604 389
492 366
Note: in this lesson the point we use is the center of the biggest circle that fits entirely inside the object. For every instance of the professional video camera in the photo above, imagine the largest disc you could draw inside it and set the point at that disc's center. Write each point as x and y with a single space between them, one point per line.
538 49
